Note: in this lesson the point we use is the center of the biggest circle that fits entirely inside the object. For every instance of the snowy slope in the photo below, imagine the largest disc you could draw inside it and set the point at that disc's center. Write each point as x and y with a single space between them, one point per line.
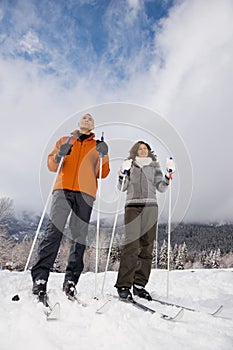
23 325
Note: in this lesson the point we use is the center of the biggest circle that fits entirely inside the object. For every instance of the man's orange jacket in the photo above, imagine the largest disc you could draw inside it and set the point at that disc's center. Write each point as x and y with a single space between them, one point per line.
80 169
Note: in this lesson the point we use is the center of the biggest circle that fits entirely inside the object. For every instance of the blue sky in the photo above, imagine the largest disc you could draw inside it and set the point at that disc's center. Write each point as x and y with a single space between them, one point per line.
59 58
67 38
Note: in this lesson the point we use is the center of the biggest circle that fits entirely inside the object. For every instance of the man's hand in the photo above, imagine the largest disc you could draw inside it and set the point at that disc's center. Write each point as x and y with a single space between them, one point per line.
63 151
102 147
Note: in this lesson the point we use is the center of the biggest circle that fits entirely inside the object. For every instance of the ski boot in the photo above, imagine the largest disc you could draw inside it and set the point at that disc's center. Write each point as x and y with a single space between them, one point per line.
141 292
70 290
124 293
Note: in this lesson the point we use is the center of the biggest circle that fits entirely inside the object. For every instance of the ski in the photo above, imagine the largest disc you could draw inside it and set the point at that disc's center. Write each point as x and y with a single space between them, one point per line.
104 307
76 299
214 313
51 312
142 307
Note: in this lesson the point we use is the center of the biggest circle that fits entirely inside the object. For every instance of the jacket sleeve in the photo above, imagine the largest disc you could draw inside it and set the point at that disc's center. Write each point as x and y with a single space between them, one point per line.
161 182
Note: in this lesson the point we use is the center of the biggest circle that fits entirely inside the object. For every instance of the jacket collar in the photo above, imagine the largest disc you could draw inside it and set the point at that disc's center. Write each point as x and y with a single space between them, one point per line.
78 135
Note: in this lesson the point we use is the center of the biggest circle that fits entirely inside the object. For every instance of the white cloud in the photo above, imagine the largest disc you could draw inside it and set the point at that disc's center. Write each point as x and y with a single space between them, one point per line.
193 89
134 8
191 36
30 43
189 81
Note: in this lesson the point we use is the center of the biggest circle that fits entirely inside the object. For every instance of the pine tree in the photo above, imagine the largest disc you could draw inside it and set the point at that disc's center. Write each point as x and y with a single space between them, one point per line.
175 253
203 258
155 257
216 259
180 259
89 259
208 260
6 246
115 254
20 252
184 252
57 265
6 208
163 256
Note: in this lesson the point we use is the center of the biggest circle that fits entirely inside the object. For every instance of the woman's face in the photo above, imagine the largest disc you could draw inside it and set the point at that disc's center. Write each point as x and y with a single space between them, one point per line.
143 151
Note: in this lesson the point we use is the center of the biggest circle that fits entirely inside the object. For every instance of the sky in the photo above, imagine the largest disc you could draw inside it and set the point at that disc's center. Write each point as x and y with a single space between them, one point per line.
137 65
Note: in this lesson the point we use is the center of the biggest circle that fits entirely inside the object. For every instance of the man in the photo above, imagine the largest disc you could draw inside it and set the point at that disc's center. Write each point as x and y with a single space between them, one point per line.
74 192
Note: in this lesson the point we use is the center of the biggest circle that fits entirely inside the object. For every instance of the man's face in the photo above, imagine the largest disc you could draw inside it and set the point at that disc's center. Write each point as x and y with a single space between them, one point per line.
86 123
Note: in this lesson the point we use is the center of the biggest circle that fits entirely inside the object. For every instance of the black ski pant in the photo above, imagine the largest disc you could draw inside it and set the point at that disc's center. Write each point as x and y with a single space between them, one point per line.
64 203
137 253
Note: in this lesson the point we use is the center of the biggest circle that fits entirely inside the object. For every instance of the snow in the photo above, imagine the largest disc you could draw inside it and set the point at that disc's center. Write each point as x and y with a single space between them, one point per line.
23 325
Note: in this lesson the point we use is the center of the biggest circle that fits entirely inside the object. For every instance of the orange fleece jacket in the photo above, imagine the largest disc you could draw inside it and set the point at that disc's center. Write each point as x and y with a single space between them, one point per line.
80 169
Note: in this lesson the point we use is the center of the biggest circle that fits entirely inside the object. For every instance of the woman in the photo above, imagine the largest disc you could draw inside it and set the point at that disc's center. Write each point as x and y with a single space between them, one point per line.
144 177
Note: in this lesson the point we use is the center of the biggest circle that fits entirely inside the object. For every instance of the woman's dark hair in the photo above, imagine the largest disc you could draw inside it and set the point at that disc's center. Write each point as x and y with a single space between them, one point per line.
134 150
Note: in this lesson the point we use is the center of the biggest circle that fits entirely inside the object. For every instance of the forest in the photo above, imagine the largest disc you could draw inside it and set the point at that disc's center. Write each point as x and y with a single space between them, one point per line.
193 245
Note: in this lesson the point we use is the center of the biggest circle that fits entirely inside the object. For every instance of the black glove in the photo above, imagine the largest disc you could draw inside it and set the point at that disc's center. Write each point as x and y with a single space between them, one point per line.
102 147
63 151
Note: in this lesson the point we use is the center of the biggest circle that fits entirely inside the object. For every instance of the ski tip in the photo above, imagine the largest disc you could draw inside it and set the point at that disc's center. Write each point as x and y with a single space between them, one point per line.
177 317
103 308
54 313
218 311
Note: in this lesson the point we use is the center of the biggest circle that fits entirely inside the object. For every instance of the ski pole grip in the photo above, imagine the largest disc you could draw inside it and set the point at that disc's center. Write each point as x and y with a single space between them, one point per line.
170 167
102 139
63 157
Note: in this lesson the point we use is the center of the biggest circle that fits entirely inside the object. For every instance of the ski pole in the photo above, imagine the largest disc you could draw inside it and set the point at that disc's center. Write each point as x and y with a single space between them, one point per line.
156 246
16 297
98 219
113 230
169 231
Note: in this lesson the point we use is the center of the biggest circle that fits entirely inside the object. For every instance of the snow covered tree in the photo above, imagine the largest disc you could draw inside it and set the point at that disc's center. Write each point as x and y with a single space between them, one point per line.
181 258
89 259
227 260
155 256
184 251
180 261
163 256
57 267
175 253
208 260
6 246
115 254
216 259
212 260
6 209
20 253
62 256
203 257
